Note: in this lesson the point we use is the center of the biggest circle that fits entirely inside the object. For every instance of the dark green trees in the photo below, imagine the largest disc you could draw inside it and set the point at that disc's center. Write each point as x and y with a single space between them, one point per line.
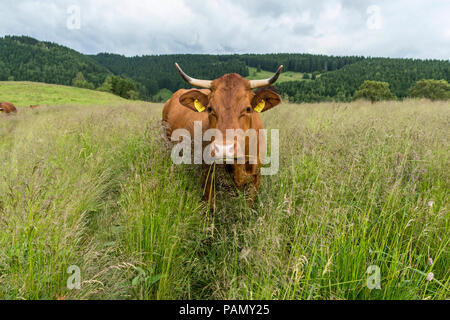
153 77
374 91
430 89
125 88
27 59
342 84
80 82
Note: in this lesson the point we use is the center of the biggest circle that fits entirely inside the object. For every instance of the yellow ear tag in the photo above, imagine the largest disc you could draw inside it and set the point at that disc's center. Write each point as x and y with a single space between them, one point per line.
260 106
198 105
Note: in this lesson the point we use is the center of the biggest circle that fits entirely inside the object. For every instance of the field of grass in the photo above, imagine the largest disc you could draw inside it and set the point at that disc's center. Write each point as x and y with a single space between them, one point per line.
22 93
285 76
358 185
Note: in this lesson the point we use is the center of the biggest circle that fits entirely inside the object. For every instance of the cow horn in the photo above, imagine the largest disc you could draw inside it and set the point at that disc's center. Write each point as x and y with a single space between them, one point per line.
194 82
266 82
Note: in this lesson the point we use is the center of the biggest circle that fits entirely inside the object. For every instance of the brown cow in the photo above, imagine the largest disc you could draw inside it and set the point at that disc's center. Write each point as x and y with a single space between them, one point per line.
7 107
225 103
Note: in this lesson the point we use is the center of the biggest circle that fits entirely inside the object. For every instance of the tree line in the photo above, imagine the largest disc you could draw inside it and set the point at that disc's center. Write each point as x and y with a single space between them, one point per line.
158 72
425 88
154 78
27 59
154 73
341 85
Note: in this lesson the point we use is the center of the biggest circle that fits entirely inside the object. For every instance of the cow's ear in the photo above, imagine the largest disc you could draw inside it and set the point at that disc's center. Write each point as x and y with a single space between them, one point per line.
265 100
195 100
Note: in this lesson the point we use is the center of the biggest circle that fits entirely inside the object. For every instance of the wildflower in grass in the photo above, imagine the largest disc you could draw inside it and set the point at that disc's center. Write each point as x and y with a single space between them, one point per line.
430 276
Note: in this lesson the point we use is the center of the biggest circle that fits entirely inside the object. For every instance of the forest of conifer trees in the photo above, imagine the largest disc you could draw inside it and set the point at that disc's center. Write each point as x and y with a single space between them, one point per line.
332 78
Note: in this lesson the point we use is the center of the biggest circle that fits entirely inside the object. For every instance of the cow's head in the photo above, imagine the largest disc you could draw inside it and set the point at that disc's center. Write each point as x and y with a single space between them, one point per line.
231 104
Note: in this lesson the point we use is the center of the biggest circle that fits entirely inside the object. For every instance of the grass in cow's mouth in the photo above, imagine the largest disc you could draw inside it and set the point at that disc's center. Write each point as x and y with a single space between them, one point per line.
227 160
358 185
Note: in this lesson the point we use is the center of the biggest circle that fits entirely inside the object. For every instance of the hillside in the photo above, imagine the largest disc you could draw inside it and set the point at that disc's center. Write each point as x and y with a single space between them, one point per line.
32 93
154 77
27 59
158 72
284 77
341 84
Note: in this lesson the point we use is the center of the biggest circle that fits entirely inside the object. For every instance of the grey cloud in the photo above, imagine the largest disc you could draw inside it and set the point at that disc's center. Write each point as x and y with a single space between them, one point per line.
415 28
303 29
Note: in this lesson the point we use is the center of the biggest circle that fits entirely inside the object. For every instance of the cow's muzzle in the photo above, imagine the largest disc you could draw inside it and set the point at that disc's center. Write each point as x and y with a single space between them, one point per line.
226 151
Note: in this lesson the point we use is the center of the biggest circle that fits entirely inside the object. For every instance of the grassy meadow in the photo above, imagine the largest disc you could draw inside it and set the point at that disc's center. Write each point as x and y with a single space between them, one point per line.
285 76
93 186
23 93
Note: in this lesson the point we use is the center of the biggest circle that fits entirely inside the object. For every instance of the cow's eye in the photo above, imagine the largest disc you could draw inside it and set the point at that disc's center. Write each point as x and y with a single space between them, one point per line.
209 109
249 109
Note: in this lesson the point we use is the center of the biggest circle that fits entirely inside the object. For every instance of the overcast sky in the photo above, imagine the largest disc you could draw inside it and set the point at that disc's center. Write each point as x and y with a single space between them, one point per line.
392 28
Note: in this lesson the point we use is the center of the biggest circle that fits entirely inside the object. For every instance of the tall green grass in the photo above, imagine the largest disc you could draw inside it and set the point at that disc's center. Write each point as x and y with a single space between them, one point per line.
358 185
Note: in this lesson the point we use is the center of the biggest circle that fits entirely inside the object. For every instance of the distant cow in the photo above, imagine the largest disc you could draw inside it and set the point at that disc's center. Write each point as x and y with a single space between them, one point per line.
225 103
34 106
7 107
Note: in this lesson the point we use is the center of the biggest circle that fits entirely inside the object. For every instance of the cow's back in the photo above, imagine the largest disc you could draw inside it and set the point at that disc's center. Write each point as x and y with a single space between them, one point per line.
7 107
